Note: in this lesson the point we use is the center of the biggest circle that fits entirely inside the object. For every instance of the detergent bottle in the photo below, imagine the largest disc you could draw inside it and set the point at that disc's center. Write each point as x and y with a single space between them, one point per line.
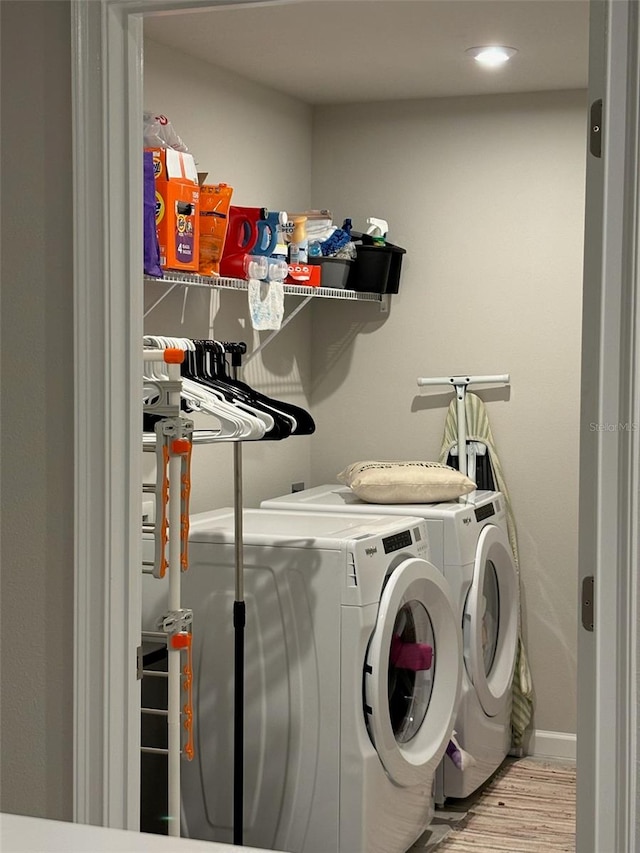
242 235
215 200
268 232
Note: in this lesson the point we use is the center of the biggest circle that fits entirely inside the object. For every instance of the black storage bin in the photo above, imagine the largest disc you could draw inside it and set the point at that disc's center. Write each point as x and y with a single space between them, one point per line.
376 269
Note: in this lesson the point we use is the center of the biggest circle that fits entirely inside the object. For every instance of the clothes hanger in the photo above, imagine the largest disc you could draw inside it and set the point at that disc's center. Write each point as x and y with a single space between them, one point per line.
234 424
217 367
207 371
195 383
251 426
301 421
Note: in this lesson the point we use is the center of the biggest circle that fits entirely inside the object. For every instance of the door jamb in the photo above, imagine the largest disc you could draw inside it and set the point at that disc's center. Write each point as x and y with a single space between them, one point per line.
107 108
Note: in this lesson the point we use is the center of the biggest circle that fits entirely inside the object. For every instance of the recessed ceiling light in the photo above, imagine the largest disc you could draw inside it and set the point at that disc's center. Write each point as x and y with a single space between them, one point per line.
491 56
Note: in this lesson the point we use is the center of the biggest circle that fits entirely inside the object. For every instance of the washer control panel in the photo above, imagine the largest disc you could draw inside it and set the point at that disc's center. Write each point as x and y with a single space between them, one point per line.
397 541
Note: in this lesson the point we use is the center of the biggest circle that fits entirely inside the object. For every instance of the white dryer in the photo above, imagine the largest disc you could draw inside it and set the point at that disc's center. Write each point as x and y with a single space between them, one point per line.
353 675
469 544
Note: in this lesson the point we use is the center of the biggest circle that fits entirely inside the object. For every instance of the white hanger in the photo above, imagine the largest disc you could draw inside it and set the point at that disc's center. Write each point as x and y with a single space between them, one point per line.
263 416
196 397
246 421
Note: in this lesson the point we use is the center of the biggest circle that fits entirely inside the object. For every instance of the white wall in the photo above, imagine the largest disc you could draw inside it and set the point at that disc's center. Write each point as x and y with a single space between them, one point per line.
258 142
486 194
36 724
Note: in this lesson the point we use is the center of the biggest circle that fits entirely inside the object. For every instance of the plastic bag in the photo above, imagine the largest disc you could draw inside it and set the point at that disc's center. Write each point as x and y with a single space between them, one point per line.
159 133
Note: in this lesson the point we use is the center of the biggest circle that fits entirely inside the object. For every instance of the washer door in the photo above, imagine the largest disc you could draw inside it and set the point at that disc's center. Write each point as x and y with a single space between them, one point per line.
490 621
412 672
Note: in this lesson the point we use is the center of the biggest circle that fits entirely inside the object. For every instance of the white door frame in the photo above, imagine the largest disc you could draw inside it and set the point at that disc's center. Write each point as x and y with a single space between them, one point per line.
609 444
108 324
107 108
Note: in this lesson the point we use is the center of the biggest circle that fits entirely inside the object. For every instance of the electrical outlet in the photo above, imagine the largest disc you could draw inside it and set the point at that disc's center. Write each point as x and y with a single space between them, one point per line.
297 487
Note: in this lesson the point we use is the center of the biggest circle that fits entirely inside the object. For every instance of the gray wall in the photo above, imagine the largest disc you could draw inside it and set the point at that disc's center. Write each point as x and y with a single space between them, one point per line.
36 725
487 196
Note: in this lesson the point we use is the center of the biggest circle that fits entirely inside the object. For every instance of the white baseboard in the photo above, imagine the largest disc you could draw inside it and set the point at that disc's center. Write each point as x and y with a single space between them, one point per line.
541 744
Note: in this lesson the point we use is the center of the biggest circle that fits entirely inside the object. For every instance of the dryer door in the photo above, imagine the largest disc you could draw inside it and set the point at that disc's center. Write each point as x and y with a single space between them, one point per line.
412 672
490 621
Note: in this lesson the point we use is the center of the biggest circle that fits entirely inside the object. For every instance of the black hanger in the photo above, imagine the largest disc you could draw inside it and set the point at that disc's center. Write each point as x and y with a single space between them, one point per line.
304 423
207 365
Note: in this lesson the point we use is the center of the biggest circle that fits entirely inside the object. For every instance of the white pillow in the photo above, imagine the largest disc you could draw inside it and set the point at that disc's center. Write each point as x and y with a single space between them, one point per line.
405 482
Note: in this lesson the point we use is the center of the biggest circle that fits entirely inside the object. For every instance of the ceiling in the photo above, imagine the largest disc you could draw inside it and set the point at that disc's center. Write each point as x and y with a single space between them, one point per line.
341 51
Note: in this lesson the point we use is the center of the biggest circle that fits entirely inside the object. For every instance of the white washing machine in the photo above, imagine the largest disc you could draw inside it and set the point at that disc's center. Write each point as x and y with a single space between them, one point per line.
469 544
353 673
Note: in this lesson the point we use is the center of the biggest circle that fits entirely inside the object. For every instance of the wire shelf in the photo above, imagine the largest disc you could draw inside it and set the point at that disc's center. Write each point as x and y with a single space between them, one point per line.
188 280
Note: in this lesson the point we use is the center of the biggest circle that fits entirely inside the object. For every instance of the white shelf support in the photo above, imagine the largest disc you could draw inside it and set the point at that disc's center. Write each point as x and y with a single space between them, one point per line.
276 332
160 299
186 280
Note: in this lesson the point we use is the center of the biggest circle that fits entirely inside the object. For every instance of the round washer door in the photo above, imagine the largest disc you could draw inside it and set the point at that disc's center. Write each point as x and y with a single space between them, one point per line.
490 621
412 672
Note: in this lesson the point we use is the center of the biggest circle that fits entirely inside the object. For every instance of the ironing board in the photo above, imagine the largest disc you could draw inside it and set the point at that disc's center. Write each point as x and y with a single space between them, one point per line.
522 709
460 384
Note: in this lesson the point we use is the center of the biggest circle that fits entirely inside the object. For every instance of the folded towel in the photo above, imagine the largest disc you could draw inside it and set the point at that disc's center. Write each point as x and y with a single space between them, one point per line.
415 656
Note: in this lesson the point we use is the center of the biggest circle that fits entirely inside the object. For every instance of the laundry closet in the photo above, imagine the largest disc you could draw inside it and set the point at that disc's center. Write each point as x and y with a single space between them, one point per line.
486 194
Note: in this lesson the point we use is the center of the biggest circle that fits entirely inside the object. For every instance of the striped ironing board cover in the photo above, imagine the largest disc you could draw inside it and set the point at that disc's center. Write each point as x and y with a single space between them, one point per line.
479 429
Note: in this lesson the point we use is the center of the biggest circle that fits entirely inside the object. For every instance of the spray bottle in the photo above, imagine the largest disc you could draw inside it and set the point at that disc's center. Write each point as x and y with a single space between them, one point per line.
377 230
298 241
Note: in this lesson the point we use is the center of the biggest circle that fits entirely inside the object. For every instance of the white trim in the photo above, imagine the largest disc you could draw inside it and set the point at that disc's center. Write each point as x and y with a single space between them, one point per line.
558 745
108 306
607 678
634 549
108 362
89 436
108 321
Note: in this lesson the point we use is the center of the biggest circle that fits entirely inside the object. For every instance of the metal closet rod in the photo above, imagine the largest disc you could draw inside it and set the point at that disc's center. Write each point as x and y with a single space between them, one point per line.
232 347
239 623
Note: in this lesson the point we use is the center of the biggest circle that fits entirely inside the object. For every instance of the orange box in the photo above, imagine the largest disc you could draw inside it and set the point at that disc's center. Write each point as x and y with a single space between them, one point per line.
177 209
173 165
